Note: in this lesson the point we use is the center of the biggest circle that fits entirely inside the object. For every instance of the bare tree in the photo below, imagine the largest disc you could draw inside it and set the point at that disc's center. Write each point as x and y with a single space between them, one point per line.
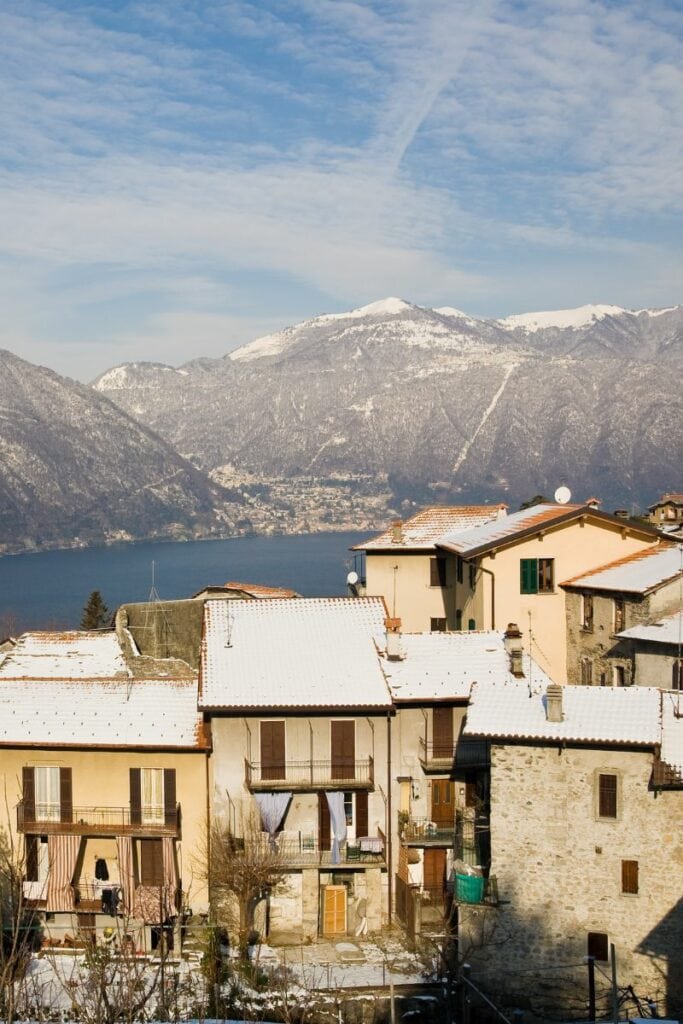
242 871
19 927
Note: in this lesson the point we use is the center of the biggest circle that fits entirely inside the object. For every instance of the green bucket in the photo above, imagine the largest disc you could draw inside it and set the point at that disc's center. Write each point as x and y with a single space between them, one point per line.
469 888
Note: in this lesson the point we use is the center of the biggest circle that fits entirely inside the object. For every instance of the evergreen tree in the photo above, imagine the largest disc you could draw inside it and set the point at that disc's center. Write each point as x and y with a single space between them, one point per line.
95 614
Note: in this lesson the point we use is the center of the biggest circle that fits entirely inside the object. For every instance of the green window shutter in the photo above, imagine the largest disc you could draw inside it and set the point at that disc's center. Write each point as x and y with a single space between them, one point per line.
528 575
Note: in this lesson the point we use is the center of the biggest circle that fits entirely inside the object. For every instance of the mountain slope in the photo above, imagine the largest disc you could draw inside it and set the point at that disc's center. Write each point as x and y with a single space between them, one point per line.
75 469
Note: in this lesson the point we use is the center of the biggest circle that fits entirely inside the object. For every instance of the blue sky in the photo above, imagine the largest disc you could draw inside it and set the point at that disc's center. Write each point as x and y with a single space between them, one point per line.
177 178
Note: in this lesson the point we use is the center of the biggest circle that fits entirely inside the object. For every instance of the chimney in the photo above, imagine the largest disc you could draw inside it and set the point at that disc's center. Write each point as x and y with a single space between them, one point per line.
397 531
393 639
553 703
512 639
593 502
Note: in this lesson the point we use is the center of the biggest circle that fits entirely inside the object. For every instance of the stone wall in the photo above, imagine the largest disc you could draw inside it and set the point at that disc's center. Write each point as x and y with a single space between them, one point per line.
559 873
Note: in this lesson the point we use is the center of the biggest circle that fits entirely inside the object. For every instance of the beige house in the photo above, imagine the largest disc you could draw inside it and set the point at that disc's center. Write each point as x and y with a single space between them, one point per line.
605 604
105 783
507 570
586 814
668 511
301 721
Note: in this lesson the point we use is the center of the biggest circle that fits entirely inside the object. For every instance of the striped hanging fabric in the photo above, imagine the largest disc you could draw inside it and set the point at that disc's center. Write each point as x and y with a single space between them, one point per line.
124 850
62 854
170 876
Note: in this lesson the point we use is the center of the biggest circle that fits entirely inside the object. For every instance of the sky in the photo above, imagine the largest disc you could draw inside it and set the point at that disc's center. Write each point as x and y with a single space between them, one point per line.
178 177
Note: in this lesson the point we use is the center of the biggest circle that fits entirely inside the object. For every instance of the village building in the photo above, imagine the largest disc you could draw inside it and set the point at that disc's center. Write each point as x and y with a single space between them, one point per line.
586 832
655 651
604 605
300 717
667 513
104 777
506 569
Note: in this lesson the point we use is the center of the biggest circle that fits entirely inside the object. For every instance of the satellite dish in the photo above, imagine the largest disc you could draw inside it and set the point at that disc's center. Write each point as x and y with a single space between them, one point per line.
352 579
562 495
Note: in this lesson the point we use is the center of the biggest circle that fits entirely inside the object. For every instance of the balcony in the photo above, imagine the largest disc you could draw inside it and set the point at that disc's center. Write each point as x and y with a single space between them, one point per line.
298 776
424 832
302 850
461 754
96 821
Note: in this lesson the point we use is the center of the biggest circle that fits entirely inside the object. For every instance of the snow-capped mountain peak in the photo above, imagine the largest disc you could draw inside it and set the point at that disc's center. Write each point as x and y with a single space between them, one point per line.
565 319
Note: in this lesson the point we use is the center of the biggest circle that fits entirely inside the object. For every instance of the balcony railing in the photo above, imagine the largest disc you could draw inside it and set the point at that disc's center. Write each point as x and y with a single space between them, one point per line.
303 849
303 775
424 832
97 821
462 753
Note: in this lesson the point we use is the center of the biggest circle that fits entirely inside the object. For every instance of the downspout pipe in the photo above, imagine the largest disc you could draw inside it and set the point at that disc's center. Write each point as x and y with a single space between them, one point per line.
493 595
390 863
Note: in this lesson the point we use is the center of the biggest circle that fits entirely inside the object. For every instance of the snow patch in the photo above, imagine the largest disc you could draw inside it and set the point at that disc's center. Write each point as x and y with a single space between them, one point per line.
384 307
566 318
657 312
456 314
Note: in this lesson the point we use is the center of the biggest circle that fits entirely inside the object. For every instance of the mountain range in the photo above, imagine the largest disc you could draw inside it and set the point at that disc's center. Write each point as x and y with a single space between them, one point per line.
343 420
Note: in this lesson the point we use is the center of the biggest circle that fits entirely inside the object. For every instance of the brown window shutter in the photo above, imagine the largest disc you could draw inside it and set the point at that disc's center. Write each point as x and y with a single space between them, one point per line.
361 813
629 876
151 862
169 798
31 848
324 833
608 796
65 795
135 797
29 790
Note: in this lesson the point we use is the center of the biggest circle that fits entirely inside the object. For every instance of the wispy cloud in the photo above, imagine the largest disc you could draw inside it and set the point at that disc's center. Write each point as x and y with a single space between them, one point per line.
229 166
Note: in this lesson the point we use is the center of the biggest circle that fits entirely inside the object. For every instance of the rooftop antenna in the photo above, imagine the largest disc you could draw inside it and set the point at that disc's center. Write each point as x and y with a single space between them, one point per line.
155 608
563 495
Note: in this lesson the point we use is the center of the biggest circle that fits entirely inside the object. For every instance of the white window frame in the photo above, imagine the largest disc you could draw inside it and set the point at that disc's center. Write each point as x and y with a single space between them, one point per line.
47 791
152 806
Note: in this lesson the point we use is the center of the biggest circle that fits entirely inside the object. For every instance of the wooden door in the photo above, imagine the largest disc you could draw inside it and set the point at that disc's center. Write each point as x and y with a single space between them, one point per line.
442 728
343 749
443 795
324 831
273 750
334 910
434 877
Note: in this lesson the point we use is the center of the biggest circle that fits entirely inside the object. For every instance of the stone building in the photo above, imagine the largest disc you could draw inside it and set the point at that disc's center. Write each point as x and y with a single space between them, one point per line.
605 602
668 511
586 816
656 652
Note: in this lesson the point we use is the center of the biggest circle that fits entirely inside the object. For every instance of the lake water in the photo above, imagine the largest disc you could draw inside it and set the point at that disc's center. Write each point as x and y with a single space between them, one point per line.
49 589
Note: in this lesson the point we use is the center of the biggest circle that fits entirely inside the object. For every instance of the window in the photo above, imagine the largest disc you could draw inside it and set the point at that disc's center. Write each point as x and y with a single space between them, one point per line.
537 575
356 813
620 675
437 625
48 803
152 792
473 575
471 624
458 618
151 862
587 613
459 568
629 877
437 572
677 675
619 614
586 672
607 795
598 946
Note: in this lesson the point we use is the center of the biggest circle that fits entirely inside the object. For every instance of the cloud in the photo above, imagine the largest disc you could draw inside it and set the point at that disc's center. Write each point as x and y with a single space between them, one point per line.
160 159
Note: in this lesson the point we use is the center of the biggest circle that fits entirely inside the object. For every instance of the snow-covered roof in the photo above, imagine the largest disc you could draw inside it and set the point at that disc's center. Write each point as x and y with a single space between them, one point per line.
667 499
672 730
668 630
69 654
592 714
501 531
443 666
426 527
309 653
637 573
256 590
95 712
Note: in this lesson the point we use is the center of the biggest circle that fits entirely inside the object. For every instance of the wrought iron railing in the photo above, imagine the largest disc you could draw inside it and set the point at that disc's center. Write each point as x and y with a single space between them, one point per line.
461 753
97 820
303 849
424 830
310 774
